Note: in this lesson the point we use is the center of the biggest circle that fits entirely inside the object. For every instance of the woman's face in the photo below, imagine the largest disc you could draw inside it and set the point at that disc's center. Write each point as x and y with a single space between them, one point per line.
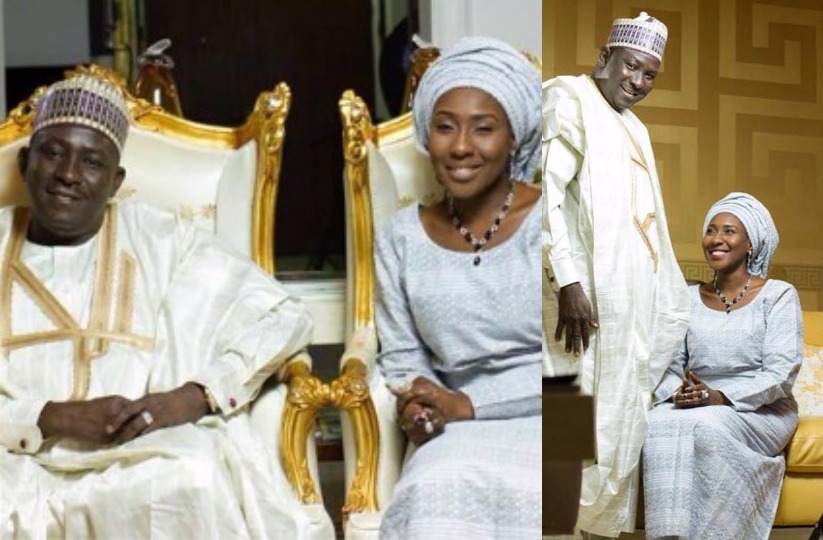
725 243
469 142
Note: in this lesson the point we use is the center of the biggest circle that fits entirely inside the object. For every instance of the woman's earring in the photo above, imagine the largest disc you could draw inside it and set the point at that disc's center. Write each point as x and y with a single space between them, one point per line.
748 259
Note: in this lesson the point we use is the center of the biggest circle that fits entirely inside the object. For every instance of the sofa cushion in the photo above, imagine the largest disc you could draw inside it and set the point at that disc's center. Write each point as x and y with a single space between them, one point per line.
808 387
805 451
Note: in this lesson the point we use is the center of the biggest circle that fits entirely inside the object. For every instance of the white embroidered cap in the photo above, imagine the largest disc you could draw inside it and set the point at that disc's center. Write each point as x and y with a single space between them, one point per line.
85 100
643 33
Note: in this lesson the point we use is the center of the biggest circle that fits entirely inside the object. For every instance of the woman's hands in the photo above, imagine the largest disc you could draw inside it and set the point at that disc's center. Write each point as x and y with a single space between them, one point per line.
693 392
115 419
575 315
424 408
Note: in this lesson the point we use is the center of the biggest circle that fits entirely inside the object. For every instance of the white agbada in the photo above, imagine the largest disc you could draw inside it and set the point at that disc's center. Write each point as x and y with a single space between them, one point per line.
145 306
605 227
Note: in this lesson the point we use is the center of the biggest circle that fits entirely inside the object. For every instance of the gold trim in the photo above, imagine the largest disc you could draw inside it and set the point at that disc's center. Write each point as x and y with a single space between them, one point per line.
267 124
639 158
350 392
103 282
357 131
306 395
53 309
88 343
125 294
36 338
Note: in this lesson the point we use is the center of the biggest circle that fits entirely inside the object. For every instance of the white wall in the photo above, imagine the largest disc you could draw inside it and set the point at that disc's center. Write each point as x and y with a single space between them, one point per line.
46 32
520 22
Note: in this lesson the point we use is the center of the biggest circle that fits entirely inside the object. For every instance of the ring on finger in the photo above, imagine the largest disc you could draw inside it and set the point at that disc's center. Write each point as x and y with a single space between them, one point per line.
147 417
428 427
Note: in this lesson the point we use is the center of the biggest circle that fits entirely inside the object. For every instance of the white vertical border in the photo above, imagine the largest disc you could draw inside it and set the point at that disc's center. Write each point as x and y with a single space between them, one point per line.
2 62
519 22
450 20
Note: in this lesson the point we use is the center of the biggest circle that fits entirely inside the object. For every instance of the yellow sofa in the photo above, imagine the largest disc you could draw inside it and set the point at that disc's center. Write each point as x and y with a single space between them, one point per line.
801 500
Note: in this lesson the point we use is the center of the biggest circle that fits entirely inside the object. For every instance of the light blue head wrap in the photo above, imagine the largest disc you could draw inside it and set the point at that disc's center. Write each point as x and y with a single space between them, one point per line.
501 71
759 226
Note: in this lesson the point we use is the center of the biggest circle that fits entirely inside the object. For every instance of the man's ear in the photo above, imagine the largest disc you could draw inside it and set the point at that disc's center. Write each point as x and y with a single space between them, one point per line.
23 161
117 181
603 56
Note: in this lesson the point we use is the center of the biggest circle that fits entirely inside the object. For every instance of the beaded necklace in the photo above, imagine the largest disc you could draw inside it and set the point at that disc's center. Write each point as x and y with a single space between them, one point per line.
478 243
734 300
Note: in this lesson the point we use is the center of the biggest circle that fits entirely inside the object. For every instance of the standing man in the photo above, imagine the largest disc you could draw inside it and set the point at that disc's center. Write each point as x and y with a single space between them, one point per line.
132 347
615 305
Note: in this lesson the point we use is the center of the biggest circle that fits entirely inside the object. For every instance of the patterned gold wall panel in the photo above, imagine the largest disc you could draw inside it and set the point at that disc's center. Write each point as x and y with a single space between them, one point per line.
738 107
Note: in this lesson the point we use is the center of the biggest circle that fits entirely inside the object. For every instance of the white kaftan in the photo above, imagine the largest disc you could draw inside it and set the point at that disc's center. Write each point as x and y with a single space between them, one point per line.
145 306
604 226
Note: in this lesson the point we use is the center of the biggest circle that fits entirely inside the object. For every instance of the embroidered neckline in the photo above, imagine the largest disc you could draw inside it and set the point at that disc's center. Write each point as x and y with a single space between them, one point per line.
89 343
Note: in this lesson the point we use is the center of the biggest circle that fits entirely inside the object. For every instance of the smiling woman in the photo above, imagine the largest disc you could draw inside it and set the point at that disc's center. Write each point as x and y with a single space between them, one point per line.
458 309
724 410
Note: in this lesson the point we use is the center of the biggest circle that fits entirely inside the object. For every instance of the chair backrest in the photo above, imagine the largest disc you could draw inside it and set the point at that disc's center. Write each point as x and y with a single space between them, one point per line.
224 179
384 171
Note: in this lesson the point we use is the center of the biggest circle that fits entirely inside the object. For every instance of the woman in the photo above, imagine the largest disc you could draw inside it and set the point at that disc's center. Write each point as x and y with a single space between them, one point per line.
712 458
458 312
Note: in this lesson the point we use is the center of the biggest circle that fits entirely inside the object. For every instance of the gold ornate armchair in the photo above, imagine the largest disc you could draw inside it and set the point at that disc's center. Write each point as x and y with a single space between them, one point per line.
224 179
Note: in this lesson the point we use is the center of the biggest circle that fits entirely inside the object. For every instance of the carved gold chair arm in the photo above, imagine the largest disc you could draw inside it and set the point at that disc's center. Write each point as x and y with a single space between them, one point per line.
306 395
350 392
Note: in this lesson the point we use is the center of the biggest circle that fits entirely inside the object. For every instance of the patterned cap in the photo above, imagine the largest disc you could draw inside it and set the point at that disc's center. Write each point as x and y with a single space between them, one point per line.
86 100
644 33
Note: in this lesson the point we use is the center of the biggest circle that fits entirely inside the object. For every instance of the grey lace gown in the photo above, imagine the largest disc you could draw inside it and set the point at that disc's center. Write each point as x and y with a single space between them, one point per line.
476 329
716 471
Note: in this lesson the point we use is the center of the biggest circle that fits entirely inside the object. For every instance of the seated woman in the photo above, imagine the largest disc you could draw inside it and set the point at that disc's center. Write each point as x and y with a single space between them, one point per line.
459 301
712 461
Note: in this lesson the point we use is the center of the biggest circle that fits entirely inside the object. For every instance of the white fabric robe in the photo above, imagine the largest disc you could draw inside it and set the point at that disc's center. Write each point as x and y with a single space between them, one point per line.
599 176
178 307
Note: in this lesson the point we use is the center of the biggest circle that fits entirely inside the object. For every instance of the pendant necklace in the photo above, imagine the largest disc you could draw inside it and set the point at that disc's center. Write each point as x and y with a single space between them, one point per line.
729 303
478 243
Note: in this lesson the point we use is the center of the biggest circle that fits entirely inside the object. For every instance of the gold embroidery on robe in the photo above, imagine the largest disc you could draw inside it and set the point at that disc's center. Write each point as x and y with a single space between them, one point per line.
88 343
642 226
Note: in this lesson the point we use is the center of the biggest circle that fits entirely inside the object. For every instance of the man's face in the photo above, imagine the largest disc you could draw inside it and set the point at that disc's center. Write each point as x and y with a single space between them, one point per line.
71 171
625 76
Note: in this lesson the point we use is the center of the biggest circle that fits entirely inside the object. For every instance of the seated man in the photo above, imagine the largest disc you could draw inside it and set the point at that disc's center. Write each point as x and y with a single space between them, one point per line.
132 345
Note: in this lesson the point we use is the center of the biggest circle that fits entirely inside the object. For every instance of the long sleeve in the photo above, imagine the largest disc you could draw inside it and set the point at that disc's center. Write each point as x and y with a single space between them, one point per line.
562 153
781 358
513 408
230 324
673 377
403 355
19 431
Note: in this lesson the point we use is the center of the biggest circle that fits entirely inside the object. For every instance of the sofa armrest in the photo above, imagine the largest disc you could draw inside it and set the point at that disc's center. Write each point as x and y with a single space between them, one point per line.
804 454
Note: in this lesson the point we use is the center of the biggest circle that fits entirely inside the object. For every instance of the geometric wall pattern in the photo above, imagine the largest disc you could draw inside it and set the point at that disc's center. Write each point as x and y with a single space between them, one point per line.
738 106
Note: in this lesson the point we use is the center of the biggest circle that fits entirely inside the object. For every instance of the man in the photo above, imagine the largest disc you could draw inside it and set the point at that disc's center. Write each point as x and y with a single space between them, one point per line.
615 304
133 345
